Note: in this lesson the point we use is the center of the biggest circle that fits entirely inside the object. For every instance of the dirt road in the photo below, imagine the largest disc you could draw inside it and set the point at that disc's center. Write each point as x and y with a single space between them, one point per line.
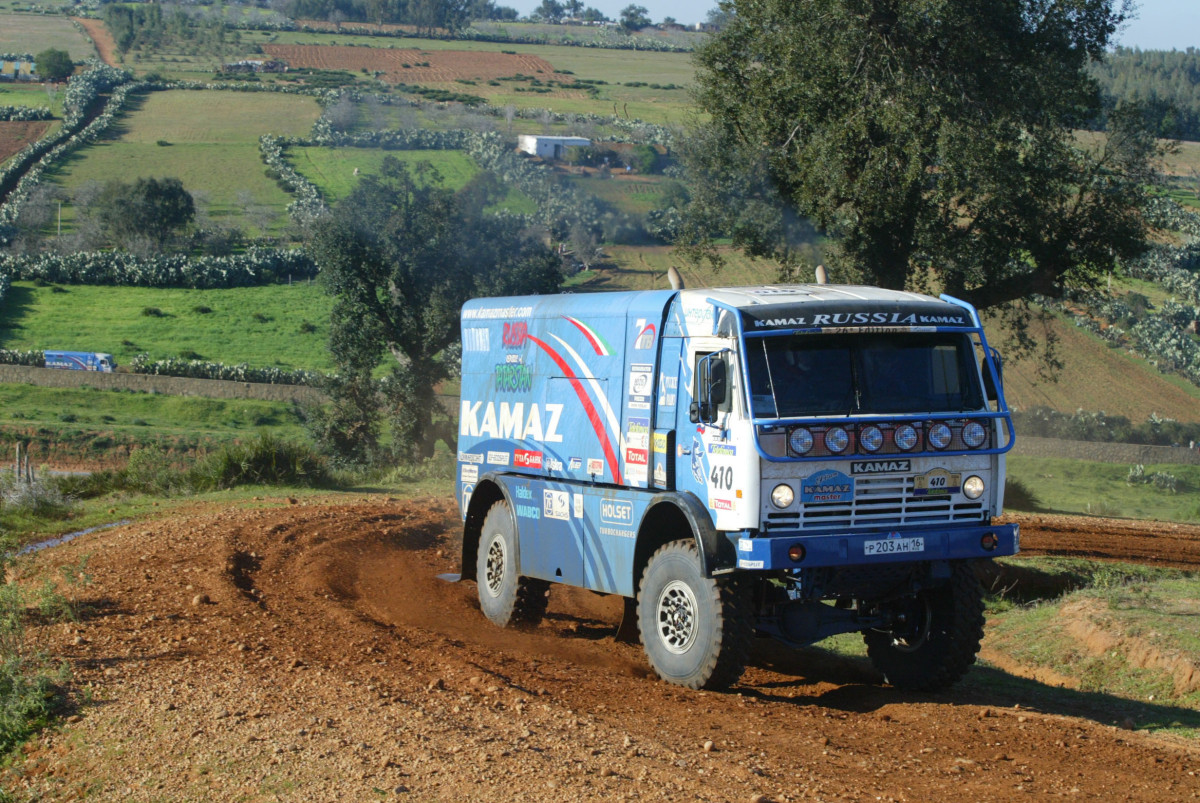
308 652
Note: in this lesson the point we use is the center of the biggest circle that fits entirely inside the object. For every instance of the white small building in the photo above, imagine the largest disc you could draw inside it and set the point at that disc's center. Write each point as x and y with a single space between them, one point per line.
550 147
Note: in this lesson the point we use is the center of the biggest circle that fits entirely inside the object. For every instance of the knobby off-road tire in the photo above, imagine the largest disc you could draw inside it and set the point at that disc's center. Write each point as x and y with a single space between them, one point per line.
696 630
505 597
939 642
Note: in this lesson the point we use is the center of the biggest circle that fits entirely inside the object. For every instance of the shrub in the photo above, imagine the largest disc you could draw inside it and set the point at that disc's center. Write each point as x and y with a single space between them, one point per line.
1017 496
188 354
307 328
153 312
261 318
201 309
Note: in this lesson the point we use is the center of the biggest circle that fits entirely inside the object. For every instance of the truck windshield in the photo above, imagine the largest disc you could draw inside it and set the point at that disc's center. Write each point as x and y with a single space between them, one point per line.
862 373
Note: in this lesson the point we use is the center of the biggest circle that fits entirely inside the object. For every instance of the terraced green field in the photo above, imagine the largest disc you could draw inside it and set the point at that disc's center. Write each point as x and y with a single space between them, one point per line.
30 33
207 139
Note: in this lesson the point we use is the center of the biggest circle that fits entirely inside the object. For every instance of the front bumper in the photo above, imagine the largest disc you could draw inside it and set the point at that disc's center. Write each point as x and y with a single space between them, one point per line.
769 553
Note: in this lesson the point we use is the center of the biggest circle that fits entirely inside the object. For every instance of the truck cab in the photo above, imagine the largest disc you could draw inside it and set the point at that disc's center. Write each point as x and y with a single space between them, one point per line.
790 461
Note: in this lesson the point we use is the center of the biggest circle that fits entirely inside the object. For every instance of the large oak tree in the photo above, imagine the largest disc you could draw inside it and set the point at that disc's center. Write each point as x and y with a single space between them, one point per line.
927 138
400 254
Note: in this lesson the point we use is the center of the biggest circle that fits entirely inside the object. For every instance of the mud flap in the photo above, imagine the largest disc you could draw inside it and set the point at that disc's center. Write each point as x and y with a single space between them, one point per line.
628 630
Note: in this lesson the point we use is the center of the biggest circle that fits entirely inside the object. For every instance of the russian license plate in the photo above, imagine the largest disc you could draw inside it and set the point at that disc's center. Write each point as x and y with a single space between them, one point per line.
894 546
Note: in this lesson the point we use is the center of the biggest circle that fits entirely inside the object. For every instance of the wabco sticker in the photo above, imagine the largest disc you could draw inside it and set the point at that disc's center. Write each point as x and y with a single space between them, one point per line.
936 482
497 458
470 473
880 466
470 457
556 505
827 486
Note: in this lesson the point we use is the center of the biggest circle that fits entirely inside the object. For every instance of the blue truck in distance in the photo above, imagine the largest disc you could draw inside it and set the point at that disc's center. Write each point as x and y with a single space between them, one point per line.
80 360
789 461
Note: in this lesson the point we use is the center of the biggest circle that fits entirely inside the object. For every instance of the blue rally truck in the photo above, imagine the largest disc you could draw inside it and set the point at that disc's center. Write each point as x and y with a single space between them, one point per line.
80 360
789 461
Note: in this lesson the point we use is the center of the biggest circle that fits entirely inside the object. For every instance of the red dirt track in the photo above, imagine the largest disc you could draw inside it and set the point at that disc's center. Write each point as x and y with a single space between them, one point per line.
308 652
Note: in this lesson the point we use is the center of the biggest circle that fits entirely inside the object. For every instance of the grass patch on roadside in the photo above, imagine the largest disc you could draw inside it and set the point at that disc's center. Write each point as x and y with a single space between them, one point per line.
110 319
1125 633
1100 489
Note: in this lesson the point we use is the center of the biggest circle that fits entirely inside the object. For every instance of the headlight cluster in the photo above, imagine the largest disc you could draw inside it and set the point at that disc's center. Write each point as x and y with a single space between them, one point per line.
938 436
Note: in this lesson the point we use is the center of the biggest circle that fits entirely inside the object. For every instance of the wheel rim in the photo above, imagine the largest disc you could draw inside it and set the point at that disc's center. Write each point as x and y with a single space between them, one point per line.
493 572
677 610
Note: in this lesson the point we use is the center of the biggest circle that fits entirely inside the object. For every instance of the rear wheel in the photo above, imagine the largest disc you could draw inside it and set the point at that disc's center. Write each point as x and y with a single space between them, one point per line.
505 597
696 630
935 637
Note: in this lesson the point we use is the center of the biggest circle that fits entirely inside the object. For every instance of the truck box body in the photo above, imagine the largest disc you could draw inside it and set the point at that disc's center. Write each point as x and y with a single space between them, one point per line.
80 360
590 415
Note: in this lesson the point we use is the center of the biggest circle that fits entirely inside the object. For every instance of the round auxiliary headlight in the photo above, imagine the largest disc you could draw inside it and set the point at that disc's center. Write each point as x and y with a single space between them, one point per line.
973 487
836 440
939 436
974 434
801 440
782 496
870 438
905 437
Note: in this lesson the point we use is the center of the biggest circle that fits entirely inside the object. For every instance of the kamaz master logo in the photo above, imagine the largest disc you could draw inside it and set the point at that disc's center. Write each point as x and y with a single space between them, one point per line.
512 422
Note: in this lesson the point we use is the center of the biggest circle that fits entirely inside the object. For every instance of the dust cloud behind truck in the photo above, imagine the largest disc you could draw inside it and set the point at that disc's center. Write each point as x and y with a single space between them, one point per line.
793 461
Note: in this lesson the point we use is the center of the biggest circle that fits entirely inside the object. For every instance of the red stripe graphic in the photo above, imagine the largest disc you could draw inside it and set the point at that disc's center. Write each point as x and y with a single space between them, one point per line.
591 339
592 414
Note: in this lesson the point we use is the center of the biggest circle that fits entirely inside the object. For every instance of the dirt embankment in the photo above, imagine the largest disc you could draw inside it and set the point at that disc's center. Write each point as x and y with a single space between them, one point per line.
106 46
308 652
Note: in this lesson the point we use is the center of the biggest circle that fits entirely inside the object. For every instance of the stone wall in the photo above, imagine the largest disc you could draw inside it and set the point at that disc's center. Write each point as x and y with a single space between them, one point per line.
1128 453
146 383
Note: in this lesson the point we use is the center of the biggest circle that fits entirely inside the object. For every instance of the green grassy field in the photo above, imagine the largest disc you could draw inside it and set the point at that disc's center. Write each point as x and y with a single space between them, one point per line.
213 149
1100 489
142 415
33 33
111 319
332 170
35 95
636 194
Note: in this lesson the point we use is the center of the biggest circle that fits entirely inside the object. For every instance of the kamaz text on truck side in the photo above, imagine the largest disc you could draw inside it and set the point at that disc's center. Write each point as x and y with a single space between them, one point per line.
80 360
793 461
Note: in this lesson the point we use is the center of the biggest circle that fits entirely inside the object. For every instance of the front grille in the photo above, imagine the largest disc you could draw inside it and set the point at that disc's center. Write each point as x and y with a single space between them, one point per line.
879 502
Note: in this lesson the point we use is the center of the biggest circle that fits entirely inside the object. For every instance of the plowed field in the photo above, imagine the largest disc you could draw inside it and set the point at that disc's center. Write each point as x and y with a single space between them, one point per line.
444 66
15 135
309 652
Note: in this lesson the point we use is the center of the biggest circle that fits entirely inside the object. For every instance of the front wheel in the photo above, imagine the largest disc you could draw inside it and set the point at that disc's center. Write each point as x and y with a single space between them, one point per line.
505 597
935 637
696 630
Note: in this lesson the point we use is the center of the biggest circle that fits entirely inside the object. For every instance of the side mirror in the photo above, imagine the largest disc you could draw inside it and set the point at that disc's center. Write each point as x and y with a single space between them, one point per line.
989 386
